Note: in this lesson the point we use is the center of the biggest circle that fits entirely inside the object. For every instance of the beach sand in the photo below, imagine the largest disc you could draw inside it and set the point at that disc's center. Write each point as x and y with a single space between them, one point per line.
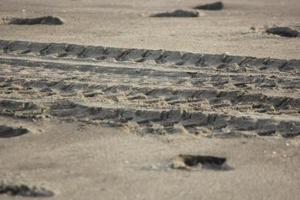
99 107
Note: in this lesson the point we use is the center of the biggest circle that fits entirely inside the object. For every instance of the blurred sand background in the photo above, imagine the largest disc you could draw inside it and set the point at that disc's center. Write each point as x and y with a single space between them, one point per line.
126 23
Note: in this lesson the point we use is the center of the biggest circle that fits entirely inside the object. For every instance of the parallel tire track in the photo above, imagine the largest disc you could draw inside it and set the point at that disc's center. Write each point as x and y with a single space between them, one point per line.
153 88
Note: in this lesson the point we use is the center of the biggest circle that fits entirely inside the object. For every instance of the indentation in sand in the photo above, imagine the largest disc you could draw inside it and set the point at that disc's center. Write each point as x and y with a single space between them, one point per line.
161 92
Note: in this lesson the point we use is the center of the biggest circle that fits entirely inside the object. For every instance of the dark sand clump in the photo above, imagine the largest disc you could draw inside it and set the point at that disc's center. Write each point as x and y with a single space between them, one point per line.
211 6
283 31
7 131
177 13
24 191
47 20
190 161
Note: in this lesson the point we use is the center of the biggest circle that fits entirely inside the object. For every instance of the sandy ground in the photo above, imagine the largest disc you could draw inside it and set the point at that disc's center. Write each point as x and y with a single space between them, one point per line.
87 162
106 123
126 23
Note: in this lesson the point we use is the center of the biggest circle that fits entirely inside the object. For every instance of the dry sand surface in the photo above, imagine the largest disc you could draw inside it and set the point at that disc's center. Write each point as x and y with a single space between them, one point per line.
100 107
126 24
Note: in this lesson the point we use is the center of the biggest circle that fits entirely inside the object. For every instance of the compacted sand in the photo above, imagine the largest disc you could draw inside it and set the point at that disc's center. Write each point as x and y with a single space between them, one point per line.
98 107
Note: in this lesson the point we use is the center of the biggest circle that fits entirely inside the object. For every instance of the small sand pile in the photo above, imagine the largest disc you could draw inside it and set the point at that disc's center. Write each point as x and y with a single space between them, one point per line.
7 131
187 162
24 190
283 31
46 20
211 6
177 13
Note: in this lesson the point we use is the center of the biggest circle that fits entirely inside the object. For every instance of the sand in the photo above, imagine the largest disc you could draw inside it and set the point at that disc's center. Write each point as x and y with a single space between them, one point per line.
126 24
79 161
115 104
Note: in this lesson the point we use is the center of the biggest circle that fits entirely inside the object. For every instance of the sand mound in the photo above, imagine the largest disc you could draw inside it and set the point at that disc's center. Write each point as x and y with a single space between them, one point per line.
24 191
177 13
211 6
188 162
7 131
47 20
283 31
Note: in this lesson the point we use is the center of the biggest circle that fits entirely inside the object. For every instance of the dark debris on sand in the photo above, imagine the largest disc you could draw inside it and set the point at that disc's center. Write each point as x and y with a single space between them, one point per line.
7 132
46 20
211 6
283 31
24 191
187 162
177 13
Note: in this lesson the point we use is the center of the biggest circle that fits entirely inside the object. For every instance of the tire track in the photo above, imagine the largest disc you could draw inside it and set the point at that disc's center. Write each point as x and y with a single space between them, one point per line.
69 51
146 95
158 90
